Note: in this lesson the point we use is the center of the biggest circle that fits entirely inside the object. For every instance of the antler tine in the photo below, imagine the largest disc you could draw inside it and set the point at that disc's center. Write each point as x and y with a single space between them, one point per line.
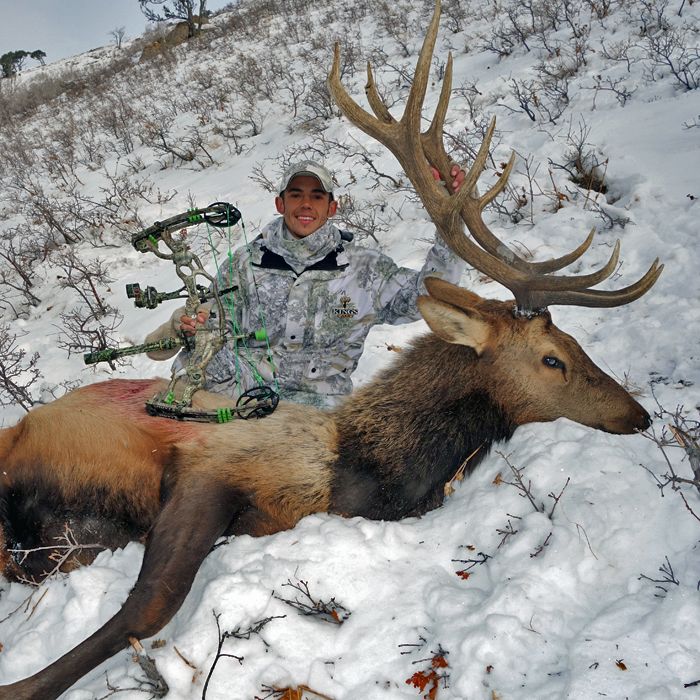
414 104
375 101
599 298
433 145
369 124
501 183
571 282
472 206
480 161
531 283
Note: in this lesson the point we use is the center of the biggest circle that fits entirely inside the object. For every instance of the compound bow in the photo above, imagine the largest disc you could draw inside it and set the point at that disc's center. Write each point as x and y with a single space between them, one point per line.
257 402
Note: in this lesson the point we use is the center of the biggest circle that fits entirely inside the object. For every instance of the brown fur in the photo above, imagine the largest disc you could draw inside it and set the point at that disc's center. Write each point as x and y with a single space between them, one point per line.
97 457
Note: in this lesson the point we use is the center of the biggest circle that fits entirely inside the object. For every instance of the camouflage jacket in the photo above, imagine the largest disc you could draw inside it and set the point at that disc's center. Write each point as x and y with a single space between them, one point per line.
317 298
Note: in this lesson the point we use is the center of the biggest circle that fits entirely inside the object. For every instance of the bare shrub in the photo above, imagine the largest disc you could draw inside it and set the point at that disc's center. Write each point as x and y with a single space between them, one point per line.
455 14
669 52
584 166
601 8
159 133
90 326
650 15
519 23
615 86
543 99
621 52
18 372
118 34
469 95
318 103
680 432
364 219
27 98
394 20
115 115
20 253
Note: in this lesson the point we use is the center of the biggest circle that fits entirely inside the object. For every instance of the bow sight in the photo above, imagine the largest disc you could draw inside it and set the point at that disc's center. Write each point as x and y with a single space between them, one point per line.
207 341
151 297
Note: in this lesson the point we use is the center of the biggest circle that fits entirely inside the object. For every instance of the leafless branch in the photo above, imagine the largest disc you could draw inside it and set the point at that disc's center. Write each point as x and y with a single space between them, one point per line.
330 611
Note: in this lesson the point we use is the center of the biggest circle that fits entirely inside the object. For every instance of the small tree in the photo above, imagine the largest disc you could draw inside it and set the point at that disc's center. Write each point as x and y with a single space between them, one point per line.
118 34
18 59
12 62
181 9
7 65
38 55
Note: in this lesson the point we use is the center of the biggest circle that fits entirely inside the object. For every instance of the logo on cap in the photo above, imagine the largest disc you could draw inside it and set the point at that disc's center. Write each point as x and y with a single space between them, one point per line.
307 167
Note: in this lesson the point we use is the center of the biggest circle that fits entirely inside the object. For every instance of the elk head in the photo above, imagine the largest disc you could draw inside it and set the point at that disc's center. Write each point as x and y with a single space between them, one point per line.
541 372
527 364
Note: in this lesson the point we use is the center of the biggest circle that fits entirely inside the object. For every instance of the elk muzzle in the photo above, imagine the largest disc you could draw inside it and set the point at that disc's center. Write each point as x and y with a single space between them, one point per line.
634 420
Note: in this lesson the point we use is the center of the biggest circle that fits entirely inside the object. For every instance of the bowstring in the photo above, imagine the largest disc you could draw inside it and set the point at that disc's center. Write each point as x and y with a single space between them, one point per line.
229 302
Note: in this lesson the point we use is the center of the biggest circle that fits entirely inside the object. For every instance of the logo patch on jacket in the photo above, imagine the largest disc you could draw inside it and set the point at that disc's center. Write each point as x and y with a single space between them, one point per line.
347 308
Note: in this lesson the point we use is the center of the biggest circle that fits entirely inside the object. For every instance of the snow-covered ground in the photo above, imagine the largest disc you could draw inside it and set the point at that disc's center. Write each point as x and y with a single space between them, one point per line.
520 606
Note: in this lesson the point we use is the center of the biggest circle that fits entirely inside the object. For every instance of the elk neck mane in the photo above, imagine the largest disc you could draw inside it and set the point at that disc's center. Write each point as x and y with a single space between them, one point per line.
404 435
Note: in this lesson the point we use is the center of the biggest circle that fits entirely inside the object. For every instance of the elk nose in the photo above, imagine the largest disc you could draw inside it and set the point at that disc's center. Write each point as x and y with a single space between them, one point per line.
645 420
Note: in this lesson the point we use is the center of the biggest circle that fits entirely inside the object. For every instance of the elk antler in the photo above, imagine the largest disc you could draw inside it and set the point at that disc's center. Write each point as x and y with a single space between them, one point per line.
531 283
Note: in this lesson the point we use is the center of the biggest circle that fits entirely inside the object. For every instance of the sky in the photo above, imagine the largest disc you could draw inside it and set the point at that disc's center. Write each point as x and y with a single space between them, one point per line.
63 28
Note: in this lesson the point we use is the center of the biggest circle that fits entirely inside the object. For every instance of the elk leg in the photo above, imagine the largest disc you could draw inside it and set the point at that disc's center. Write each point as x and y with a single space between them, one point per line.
196 514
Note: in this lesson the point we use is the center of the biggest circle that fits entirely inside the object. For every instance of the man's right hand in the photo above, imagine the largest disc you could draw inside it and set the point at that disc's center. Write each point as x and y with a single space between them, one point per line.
456 173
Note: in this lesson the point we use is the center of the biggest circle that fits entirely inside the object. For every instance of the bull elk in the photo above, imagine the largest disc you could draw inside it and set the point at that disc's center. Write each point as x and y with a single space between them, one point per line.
95 460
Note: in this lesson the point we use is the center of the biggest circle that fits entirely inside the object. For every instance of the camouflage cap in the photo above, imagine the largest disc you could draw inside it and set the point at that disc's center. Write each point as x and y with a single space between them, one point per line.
307 167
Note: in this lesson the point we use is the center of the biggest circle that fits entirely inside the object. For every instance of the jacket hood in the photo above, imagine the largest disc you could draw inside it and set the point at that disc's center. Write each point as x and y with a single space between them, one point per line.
300 253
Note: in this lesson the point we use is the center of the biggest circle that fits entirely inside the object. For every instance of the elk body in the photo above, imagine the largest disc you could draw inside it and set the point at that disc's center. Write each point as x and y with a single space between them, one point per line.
94 460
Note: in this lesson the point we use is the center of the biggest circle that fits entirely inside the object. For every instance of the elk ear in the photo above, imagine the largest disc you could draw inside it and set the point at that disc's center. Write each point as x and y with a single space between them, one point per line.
457 326
452 293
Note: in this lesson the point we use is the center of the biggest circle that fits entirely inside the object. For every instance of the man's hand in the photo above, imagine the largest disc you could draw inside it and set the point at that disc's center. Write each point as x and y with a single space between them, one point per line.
458 175
189 325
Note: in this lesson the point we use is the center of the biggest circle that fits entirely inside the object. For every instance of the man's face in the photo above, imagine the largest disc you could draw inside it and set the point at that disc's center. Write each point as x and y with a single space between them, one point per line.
304 205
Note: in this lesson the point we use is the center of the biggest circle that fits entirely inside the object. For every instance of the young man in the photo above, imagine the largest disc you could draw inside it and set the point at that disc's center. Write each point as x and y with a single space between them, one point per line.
314 292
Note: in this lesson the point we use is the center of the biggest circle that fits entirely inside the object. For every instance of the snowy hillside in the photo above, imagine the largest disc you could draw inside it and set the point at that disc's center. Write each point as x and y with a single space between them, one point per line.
491 597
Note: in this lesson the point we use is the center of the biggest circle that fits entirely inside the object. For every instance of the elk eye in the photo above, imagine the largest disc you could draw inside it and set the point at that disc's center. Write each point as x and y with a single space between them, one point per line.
553 362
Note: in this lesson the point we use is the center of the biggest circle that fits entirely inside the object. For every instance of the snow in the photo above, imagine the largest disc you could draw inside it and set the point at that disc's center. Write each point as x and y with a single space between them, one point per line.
558 609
